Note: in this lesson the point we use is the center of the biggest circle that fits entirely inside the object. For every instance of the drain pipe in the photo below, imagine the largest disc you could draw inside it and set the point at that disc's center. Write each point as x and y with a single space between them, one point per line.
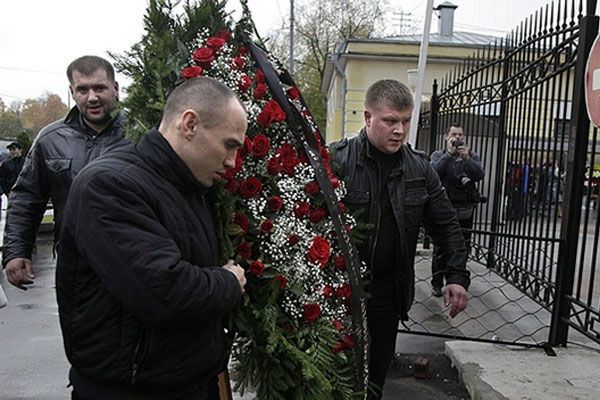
338 69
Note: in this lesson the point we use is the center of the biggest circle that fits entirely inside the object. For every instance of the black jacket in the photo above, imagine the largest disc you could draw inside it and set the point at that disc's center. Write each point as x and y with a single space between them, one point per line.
140 291
458 176
58 153
9 171
417 197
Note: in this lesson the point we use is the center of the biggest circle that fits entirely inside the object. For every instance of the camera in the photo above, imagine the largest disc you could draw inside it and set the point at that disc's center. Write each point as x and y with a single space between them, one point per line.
458 143
472 193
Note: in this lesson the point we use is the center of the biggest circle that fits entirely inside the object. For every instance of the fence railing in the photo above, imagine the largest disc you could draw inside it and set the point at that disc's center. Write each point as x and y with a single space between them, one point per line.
521 103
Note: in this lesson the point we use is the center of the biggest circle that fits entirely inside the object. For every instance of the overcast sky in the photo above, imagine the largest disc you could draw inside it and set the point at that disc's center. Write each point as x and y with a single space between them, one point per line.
39 38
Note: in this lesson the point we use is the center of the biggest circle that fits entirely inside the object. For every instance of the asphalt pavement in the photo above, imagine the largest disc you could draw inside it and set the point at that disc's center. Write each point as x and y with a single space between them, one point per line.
33 365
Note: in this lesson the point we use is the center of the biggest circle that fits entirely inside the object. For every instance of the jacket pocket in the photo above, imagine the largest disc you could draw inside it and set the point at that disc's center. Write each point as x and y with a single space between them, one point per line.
357 198
59 171
414 201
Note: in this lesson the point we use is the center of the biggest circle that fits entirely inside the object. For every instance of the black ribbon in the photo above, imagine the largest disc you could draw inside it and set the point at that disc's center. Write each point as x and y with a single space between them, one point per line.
305 135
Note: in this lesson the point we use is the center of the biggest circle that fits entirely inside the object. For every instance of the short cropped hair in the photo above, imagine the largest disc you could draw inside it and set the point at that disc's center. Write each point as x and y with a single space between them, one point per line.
87 65
388 92
453 125
207 96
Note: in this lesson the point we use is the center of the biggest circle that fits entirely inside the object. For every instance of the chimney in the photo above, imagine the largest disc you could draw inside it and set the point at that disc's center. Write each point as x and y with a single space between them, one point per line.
446 18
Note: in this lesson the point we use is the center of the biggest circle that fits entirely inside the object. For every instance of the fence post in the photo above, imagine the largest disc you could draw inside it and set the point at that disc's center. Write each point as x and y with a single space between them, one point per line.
433 125
502 123
576 158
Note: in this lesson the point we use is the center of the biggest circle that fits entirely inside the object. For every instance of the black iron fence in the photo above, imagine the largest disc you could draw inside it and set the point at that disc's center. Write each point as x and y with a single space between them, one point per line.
535 242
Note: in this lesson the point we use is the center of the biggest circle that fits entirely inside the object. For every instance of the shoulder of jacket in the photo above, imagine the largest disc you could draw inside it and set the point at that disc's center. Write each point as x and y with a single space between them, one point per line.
52 129
419 153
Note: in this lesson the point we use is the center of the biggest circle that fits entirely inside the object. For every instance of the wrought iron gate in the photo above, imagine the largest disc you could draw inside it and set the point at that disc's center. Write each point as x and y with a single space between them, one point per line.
535 242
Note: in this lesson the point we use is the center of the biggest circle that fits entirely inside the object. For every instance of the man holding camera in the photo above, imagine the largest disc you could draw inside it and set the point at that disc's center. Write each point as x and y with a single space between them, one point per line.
459 168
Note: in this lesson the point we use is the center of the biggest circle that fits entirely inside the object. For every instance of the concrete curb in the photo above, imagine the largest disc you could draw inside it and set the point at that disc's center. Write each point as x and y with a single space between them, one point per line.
470 374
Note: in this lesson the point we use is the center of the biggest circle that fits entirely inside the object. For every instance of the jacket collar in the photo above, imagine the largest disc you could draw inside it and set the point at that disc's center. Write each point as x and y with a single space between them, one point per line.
365 149
158 153
75 120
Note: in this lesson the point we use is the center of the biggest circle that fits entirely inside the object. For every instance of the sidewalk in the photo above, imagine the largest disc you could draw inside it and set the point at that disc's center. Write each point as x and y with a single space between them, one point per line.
33 365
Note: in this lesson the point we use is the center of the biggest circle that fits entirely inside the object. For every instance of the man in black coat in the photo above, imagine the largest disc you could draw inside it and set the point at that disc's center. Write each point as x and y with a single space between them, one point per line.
59 152
10 169
397 190
140 290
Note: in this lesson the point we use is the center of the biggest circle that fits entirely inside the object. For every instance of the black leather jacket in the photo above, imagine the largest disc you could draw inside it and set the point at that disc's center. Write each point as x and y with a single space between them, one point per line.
417 197
58 153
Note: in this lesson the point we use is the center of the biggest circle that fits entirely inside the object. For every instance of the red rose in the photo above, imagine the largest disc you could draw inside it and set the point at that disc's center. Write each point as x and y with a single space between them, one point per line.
343 291
241 220
238 63
215 42
244 250
311 188
293 93
328 291
275 203
311 312
244 83
319 251
335 182
224 34
260 90
260 76
339 347
282 281
191 72
239 162
251 187
288 164
338 325
246 148
274 165
303 158
301 209
339 262
316 215
342 207
286 150
243 51
293 239
270 113
324 154
256 268
204 56
266 226
348 342
232 185
260 145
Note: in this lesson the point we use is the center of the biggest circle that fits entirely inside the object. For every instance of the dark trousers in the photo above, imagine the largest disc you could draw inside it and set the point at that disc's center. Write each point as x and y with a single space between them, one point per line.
382 319
437 269
213 393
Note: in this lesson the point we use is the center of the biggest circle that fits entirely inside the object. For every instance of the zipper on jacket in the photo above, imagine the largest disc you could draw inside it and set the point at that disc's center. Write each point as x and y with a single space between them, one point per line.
377 210
138 355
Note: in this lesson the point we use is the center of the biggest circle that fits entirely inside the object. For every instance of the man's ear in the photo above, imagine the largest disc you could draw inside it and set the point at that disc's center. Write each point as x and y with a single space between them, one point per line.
189 122
367 115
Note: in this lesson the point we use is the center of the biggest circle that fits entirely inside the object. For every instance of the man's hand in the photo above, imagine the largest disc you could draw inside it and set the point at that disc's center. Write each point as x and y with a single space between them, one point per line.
463 151
19 272
238 271
456 296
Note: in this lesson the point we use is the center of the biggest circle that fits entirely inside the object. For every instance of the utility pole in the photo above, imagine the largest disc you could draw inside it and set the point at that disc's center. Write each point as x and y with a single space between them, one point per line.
291 38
